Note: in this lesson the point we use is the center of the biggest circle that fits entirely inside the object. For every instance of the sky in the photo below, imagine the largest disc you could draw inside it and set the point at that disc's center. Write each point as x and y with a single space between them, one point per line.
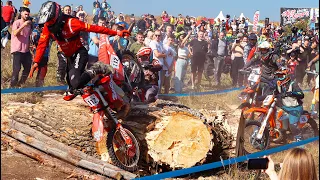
207 8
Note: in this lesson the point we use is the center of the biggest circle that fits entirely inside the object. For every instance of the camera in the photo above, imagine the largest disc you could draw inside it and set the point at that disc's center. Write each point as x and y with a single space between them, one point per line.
237 41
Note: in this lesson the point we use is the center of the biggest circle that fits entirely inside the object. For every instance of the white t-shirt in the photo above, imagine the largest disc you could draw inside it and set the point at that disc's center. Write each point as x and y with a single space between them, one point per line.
154 45
171 53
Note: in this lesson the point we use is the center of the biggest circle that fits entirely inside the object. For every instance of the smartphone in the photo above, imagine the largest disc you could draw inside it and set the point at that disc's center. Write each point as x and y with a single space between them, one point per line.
258 163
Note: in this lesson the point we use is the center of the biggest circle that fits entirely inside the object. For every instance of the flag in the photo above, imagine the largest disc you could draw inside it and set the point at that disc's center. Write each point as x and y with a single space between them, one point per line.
255 21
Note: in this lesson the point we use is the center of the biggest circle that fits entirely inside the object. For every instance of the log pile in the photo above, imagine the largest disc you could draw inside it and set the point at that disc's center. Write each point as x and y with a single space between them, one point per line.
170 134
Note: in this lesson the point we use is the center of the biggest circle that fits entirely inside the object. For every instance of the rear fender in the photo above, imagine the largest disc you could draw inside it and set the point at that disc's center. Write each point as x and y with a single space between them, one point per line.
97 126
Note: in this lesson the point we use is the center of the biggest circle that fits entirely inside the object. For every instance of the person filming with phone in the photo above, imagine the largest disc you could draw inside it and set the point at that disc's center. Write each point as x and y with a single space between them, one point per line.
298 164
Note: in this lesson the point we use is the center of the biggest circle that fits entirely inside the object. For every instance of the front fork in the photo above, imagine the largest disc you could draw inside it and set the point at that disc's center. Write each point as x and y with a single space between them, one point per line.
112 115
265 121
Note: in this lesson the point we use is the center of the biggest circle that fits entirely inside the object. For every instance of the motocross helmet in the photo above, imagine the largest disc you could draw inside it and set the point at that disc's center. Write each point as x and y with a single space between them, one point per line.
283 75
49 13
252 39
143 55
264 48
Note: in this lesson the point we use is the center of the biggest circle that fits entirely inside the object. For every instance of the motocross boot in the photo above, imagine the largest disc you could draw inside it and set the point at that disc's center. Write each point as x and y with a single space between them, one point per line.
125 109
99 68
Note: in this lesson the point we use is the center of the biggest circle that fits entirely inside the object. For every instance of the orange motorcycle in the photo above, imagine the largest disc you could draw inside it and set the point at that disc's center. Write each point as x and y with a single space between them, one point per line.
250 92
272 126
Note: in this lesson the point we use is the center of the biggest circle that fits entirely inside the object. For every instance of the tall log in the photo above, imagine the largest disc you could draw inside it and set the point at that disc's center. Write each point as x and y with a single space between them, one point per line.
45 159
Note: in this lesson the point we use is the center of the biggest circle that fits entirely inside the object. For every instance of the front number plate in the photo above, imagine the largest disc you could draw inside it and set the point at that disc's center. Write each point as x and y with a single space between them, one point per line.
92 100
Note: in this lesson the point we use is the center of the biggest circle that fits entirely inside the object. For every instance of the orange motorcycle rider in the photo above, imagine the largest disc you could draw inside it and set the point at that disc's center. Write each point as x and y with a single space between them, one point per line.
65 30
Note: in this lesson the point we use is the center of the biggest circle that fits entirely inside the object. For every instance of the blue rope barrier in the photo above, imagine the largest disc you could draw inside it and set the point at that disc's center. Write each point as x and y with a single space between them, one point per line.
227 161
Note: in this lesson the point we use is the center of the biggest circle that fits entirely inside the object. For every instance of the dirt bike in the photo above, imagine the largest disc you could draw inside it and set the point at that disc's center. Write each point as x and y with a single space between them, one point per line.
273 126
315 100
111 136
249 94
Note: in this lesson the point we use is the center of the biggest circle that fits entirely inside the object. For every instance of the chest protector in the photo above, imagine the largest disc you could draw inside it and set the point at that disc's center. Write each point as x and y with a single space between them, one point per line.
288 101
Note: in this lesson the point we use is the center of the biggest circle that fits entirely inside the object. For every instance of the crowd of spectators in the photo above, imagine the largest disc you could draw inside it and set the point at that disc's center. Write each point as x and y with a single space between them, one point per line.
176 42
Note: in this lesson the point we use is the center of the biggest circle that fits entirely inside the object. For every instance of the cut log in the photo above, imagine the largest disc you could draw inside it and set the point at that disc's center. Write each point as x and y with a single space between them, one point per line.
66 153
170 134
47 160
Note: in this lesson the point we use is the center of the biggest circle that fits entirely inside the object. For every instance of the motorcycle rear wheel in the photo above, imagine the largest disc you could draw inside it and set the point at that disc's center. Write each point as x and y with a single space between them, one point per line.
118 149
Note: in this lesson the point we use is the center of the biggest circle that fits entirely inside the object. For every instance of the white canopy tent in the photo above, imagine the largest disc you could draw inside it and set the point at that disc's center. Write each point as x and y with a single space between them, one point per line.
241 16
220 16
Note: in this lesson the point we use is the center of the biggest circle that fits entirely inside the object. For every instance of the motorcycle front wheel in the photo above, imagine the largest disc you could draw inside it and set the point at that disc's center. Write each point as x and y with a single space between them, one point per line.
250 143
121 154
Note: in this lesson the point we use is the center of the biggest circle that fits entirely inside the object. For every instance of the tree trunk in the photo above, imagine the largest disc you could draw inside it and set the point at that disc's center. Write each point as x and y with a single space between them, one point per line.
170 134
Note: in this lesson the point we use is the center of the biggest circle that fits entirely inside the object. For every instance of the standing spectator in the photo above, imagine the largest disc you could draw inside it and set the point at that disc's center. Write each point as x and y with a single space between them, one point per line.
43 65
118 43
81 13
142 24
96 13
198 49
135 47
313 64
20 44
182 61
187 23
169 30
94 44
238 63
158 53
121 22
297 164
62 60
106 7
8 13
220 51
303 60
168 63
95 3
149 38
165 18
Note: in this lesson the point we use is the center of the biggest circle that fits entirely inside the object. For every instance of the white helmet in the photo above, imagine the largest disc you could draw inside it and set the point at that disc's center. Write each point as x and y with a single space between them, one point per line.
264 45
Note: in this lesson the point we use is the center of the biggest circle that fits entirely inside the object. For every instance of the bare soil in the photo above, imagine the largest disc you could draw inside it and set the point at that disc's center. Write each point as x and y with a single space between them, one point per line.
16 166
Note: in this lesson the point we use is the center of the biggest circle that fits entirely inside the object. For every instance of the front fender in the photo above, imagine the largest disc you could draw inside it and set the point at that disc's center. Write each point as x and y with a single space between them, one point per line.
97 126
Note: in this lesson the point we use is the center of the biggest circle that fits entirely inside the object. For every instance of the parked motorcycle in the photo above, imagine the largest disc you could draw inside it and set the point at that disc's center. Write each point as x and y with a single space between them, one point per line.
273 126
113 139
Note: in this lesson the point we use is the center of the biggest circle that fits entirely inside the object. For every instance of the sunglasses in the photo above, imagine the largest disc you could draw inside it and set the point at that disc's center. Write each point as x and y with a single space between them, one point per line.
157 35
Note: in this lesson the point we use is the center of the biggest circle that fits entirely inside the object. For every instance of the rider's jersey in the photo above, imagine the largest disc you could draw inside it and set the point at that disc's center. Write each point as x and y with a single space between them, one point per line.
70 32
268 66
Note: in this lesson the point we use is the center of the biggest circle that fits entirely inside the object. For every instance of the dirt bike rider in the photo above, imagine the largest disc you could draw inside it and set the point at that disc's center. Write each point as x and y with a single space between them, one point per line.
269 64
65 29
290 99
250 48
150 71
